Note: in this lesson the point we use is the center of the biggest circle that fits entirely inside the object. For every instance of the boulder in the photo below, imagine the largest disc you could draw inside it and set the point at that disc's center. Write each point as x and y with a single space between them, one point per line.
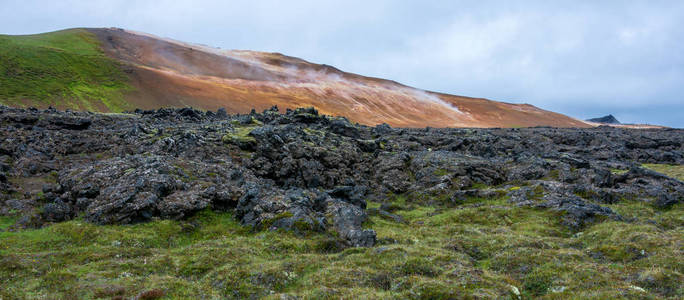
57 211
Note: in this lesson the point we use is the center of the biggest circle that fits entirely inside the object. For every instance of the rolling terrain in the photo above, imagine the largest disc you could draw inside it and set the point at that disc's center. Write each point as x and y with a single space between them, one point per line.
114 70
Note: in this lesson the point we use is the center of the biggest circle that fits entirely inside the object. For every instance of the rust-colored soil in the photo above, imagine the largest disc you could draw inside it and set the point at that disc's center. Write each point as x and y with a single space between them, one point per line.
171 73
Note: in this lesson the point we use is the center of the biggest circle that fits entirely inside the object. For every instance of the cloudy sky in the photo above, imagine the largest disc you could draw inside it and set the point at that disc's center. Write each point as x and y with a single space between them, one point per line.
581 58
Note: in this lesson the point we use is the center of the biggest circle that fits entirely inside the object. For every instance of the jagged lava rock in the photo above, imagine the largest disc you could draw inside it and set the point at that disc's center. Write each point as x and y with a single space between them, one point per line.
303 171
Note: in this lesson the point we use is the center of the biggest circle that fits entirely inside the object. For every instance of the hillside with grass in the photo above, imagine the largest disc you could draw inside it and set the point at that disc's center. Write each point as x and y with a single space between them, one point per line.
115 70
64 69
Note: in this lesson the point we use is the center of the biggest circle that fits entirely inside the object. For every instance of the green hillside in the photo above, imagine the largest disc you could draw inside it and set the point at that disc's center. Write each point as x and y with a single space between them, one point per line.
66 69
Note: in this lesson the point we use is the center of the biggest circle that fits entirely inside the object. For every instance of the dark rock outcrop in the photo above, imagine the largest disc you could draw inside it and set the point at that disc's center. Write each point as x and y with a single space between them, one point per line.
303 171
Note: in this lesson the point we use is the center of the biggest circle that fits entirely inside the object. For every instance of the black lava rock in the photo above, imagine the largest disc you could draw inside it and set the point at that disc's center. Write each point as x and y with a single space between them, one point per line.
303 171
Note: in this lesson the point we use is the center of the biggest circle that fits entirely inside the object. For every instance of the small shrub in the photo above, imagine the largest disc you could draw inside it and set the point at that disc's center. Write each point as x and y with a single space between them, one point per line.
537 283
419 266
194 266
329 245
435 291
109 291
77 233
662 281
59 280
381 281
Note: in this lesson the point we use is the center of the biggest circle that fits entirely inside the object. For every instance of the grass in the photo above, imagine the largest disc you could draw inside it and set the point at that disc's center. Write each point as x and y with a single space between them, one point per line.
674 171
438 253
65 69
240 134
618 171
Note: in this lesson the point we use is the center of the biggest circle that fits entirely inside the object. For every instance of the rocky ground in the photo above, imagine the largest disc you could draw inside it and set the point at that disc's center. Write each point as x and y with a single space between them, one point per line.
302 173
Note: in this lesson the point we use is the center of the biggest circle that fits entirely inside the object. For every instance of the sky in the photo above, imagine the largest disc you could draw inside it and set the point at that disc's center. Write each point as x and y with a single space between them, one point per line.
581 58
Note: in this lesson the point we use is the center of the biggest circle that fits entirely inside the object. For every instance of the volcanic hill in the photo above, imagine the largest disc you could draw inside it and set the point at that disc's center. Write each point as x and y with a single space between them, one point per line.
114 70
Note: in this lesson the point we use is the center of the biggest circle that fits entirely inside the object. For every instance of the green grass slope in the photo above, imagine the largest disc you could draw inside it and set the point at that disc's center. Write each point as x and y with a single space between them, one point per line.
65 69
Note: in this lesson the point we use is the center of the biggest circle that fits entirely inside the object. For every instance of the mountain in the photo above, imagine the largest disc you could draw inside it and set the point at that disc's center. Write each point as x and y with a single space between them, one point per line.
113 70
609 119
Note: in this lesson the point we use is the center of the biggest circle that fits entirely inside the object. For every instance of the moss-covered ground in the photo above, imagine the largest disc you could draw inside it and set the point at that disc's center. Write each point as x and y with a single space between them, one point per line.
65 69
674 171
484 248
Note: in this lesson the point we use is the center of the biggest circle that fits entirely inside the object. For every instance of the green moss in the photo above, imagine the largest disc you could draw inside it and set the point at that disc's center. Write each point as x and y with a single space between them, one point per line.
52 177
314 132
554 174
586 194
418 266
185 173
538 191
473 250
239 135
441 172
537 282
254 121
438 200
618 171
65 69
302 227
479 186
398 200
674 171
283 215
6 222
661 280
435 290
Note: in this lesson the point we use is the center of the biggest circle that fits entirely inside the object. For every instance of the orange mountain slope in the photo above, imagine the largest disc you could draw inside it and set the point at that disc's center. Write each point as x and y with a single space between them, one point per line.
167 73
172 73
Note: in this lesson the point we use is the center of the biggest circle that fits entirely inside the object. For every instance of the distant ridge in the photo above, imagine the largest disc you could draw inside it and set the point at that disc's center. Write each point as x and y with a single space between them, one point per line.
609 119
